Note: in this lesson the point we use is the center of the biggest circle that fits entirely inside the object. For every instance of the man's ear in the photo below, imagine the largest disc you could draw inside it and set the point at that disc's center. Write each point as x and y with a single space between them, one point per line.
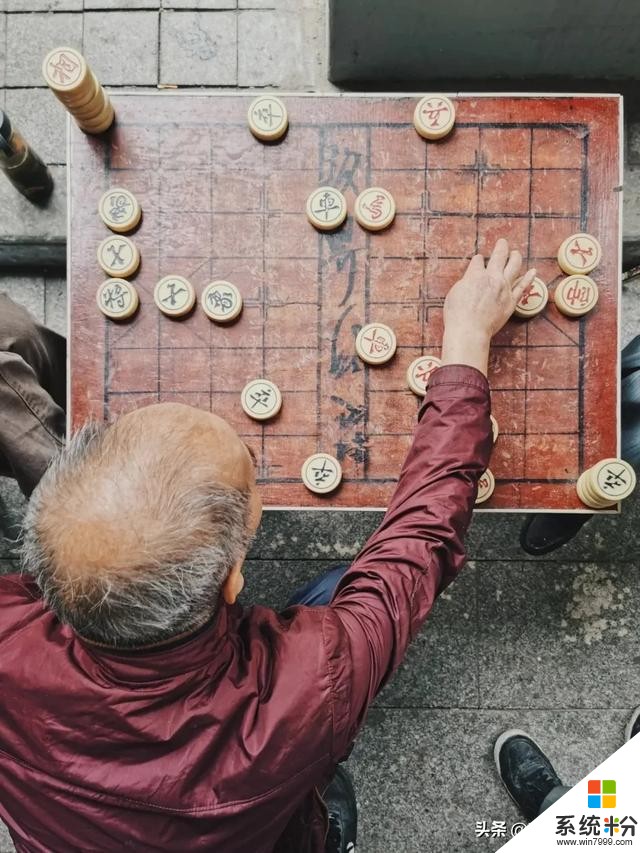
234 584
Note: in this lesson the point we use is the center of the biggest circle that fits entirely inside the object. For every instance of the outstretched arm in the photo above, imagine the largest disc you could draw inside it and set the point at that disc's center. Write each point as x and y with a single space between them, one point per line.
385 596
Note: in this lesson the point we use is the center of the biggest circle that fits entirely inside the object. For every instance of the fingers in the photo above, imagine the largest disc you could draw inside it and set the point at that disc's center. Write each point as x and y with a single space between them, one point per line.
498 258
523 284
476 264
513 267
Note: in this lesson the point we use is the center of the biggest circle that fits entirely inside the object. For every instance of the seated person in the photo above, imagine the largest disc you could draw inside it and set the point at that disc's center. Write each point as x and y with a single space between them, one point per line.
142 708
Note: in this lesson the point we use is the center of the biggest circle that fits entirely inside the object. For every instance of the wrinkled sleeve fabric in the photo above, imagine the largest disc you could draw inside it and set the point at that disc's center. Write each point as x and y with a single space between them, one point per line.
388 591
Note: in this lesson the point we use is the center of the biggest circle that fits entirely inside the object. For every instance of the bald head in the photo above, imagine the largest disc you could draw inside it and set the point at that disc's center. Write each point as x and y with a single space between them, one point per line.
134 528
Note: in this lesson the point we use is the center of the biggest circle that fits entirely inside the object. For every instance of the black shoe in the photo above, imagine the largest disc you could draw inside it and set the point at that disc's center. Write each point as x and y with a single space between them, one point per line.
340 799
633 726
544 532
525 770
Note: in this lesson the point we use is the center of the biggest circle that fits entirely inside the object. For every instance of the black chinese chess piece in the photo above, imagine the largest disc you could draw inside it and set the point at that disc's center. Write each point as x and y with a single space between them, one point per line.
21 164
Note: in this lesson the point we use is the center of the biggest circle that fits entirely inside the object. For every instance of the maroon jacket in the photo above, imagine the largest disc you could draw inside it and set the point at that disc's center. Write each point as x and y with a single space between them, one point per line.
219 741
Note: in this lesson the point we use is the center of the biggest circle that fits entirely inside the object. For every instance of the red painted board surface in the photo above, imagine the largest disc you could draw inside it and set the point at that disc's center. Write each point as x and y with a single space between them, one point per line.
218 204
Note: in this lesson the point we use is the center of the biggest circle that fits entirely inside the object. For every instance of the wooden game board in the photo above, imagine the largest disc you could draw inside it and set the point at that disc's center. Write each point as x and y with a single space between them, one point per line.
219 204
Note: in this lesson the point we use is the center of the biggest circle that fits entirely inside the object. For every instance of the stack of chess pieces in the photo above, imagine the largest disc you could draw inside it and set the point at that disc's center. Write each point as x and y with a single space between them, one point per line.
75 85
606 483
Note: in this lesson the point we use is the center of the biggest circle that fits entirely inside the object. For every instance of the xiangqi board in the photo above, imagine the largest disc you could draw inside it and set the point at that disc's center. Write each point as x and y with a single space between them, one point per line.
218 204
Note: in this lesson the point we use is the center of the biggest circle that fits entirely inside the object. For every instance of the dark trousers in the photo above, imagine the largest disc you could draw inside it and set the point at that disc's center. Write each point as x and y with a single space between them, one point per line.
319 591
552 797
32 395
630 397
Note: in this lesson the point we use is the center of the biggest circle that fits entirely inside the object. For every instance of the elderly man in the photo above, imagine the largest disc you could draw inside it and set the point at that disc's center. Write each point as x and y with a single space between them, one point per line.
141 707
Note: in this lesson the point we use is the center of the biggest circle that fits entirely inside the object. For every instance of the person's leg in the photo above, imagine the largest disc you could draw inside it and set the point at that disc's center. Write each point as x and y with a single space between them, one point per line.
32 395
630 403
553 796
630 360
544 532
633 726
319 591
527 773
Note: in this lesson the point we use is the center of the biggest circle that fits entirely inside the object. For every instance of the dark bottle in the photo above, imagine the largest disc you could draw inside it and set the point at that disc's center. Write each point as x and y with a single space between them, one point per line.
21 164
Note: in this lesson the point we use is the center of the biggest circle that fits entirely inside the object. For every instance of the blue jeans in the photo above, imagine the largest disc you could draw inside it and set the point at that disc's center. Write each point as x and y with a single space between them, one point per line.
319 591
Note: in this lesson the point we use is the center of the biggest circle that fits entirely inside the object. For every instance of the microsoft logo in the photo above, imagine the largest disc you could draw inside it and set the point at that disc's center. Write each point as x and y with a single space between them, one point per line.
601 794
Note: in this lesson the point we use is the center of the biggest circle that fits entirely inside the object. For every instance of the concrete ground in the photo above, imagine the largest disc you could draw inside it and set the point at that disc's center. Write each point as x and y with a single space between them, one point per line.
548 645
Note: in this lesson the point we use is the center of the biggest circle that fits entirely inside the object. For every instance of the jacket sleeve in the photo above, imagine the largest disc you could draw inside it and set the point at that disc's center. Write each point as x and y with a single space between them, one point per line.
388 591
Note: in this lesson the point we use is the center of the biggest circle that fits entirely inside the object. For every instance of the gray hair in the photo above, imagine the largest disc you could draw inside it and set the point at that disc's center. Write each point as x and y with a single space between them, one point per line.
189 534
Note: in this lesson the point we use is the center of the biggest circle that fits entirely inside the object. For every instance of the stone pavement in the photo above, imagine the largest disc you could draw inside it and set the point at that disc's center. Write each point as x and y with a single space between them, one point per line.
548 645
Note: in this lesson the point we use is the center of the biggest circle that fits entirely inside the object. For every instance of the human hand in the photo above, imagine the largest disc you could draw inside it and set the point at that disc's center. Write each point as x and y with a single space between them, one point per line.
479 305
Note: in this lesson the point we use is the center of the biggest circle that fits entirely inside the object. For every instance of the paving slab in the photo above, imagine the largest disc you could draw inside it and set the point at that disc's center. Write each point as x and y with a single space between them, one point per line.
122 4
42 120
339 535
605 537
12 508
55 304
632 148
43 5
200 5
631 215
280 5
6 845
608 537
630 320
133 58
31 36
41 234
7 567
27 291
335 536
3 41
199 48
423 778
556 635
278 48
270 583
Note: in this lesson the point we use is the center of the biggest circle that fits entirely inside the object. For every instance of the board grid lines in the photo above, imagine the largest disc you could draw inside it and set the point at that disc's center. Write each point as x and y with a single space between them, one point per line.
357 262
